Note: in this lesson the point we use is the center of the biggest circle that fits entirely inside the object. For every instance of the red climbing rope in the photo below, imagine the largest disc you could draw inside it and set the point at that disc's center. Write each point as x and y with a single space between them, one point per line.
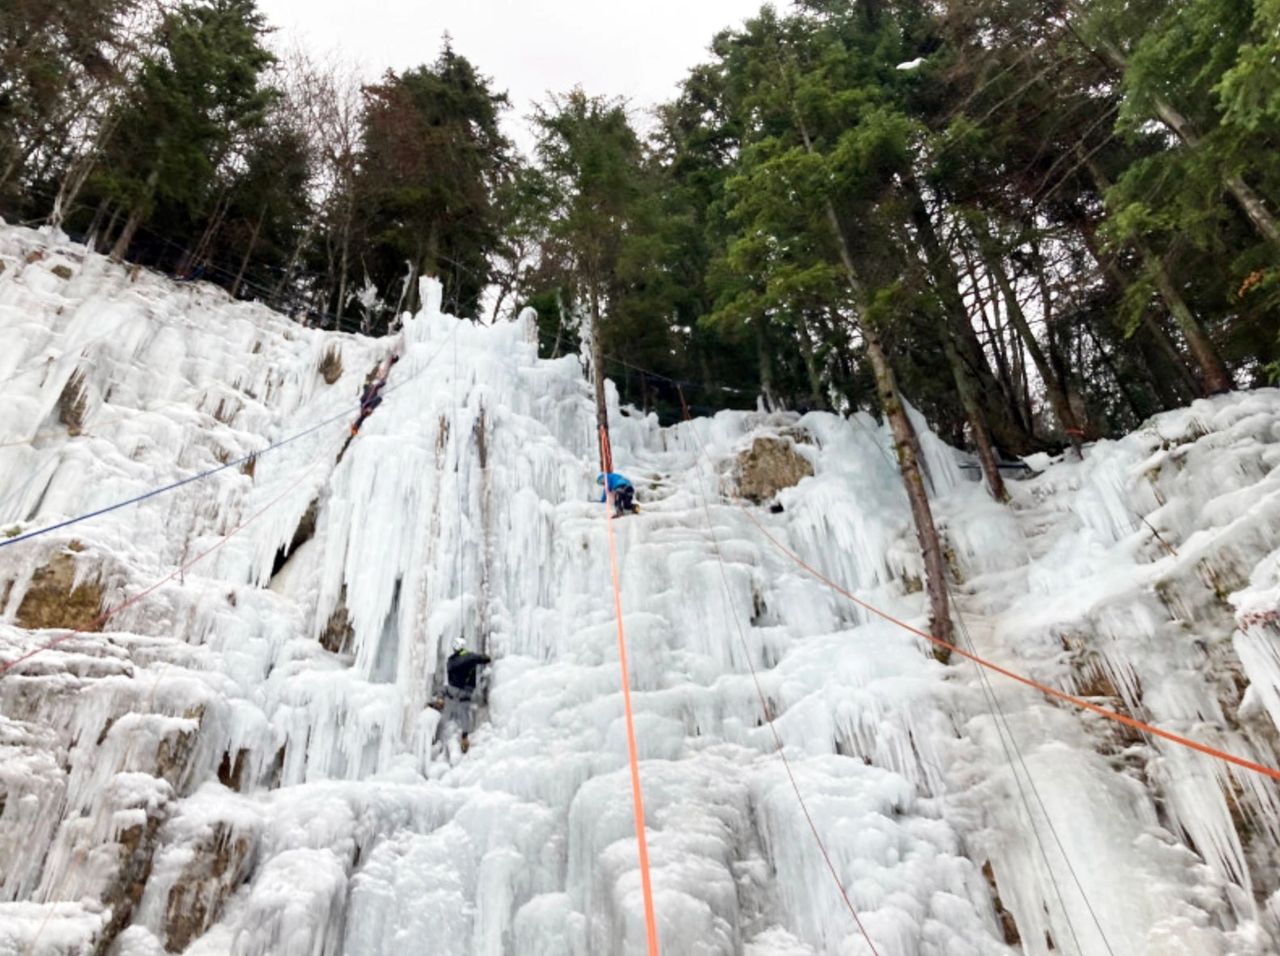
637 796
105 616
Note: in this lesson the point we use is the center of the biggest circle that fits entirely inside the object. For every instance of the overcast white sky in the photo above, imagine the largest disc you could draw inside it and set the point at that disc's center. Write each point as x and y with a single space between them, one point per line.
639 50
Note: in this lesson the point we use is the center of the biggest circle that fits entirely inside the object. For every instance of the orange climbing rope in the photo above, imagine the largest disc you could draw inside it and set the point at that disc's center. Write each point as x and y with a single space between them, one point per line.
767 710
1029 682
637 796
1080 702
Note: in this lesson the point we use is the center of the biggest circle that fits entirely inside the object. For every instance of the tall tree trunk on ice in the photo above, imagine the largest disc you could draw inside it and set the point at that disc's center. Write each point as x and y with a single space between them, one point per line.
344 268
1057 394
597 368
560 323
248 253
904 435
765 363
1155 332
136 213
817 399
121 247
907 445
1216 377
77 173
957 319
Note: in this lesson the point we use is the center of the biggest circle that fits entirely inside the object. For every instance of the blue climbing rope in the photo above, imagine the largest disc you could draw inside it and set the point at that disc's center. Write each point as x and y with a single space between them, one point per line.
18 539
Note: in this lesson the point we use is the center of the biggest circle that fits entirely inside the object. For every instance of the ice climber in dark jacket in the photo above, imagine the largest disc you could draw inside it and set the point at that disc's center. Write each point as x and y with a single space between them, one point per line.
461 670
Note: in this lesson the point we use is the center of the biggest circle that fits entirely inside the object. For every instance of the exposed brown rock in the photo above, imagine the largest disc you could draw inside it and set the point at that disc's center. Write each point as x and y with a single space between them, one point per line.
1008 925
173 756
305 531
73 404
136 848
62 272
331 365
52 601
217 867
338 632
231 775
769 466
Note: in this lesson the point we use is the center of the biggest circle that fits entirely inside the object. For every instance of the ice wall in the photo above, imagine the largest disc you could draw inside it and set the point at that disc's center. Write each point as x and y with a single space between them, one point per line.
244 761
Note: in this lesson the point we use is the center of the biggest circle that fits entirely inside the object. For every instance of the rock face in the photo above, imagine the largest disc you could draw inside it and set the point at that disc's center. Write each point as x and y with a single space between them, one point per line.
218 864
73 404
331 365
55 600
769 466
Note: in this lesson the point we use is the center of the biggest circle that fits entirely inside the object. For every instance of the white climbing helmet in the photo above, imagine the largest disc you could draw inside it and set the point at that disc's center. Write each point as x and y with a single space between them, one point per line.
459 643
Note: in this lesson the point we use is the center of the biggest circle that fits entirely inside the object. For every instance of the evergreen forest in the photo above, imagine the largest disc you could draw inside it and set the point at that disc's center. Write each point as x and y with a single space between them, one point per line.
1037 223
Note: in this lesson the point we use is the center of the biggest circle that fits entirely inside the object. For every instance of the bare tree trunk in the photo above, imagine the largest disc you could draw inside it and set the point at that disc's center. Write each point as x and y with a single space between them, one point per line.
1250 202
503 291
1216 377
764 363
816 395
1053 388
344 258
100 244
188 263
977 422
91 236
597 368
248 253
957 321
287 276
904 435
907 446
555 347
125 239
1157 334
79 170
121 248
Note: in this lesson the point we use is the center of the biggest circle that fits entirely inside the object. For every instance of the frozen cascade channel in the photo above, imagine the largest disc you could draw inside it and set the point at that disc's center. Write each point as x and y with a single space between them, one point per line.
245 762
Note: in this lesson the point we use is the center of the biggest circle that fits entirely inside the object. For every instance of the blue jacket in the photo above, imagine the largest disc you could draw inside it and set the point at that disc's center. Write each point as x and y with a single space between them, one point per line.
613 483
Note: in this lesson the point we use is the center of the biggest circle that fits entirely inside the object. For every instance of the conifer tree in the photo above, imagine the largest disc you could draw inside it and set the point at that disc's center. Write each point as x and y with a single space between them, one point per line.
433 160
591 156
191 101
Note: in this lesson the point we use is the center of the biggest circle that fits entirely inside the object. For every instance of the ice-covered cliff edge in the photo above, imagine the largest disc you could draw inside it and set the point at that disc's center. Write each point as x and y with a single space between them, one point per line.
244 762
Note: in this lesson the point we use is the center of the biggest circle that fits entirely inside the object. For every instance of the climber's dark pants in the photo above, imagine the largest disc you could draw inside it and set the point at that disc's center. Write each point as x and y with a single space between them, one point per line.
459 709
624 499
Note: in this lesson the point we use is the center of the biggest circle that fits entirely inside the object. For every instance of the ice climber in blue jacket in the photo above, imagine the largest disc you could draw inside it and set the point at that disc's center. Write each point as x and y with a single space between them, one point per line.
624 493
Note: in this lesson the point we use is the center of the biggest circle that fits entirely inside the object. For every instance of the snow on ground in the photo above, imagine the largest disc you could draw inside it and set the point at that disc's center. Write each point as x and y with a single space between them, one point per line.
244 761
